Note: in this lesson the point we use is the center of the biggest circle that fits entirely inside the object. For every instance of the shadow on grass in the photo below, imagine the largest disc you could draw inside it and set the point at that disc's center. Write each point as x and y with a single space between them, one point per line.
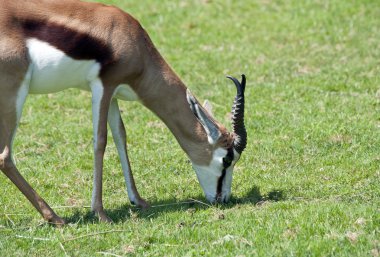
158 208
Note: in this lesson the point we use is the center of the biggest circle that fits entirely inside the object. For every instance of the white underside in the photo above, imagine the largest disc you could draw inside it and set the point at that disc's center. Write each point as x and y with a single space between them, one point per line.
54 71
51 70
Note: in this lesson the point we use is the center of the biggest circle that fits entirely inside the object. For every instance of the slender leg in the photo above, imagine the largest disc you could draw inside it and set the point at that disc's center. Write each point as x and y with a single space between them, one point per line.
101 97
119 136
10 113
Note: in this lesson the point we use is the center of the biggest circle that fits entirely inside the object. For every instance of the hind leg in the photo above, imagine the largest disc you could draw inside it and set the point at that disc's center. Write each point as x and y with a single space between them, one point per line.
119 136
11 103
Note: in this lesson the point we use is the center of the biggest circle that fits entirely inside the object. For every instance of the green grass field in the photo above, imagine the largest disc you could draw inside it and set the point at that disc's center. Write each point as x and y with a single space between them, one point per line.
308 183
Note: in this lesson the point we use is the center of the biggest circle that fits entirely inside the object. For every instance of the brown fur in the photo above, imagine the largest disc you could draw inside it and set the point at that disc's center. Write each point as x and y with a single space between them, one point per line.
127 55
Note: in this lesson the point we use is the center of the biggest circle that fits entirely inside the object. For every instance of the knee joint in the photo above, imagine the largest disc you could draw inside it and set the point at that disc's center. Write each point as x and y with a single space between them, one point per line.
5 162
101 144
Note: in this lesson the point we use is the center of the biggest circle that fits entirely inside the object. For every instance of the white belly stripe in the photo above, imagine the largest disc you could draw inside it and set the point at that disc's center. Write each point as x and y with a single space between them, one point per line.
54 71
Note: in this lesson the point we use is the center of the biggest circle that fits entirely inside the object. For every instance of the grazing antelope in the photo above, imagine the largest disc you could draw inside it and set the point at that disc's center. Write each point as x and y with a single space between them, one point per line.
47 46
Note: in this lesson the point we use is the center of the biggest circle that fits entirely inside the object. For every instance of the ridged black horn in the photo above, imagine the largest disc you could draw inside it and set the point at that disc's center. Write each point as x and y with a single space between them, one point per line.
238 116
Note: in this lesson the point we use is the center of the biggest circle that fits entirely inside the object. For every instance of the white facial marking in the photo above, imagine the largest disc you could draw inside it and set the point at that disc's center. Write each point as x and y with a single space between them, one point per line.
208 175
227 184
54 71
115 123
236 156
126 93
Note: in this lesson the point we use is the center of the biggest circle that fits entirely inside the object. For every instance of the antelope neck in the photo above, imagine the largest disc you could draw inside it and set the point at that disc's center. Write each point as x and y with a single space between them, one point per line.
175 112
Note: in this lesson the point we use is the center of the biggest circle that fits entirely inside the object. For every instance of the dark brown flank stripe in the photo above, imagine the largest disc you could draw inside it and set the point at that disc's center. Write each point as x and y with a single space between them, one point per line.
77 45
230 156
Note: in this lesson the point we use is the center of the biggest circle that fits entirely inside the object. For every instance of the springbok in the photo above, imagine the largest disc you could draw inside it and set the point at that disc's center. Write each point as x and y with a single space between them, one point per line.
47 46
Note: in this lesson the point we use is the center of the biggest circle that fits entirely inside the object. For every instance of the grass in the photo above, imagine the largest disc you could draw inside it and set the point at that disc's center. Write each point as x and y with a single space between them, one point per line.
307 184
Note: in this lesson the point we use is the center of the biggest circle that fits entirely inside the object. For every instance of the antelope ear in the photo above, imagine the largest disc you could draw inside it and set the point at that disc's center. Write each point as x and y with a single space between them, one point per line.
208 107
209 125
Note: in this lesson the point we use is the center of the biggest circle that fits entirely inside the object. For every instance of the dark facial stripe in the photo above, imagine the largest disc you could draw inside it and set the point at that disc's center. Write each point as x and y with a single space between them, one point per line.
75 44
226 163
220 183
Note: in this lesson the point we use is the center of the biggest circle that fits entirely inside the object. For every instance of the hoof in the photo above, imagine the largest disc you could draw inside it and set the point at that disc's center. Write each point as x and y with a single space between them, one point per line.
57 221
103 217
143 204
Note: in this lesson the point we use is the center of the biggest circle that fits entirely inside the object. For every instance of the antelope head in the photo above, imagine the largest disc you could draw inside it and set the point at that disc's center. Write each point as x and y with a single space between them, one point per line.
226 148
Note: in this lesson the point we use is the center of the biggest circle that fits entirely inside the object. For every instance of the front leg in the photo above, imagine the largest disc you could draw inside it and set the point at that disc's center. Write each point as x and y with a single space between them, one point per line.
119 136
101 97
